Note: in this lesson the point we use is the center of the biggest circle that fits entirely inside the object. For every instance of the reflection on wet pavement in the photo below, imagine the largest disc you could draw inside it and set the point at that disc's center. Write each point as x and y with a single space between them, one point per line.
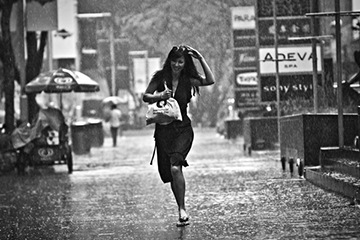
115 194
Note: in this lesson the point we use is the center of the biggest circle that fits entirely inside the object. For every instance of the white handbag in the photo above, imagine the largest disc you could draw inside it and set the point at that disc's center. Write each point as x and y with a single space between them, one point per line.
163 111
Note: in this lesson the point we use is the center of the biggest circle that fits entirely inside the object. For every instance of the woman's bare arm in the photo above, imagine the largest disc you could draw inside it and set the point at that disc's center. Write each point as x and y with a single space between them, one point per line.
209 78
151 96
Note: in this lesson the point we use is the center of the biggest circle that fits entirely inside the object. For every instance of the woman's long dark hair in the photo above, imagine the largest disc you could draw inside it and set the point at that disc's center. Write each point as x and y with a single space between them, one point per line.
188 72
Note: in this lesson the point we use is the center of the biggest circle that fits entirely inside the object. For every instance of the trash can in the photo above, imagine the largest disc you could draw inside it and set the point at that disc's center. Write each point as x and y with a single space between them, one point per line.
233 128
96 132
80 137
260 133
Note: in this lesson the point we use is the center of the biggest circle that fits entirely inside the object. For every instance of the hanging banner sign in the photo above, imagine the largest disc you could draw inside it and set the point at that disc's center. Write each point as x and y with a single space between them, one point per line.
243 17
41 17
291 60
140 75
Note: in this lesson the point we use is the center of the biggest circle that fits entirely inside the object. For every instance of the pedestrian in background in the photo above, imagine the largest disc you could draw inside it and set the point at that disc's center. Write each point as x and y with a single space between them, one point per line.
174 140
115 123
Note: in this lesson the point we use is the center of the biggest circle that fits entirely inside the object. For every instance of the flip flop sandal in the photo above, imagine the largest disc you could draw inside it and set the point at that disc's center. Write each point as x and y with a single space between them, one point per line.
183 222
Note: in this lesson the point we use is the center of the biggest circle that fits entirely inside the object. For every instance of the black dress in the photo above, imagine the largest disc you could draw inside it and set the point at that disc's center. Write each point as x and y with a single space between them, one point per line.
174 141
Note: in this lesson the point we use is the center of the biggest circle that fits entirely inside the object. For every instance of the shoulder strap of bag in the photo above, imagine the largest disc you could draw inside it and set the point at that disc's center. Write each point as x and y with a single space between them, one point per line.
153 155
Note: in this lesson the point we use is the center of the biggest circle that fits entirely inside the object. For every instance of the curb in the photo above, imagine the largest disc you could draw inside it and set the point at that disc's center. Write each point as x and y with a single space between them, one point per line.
316 177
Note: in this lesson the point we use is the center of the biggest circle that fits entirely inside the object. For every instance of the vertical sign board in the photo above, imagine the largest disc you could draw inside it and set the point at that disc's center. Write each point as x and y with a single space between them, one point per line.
140 75
243 26
246 91
295 58
356 19
38 18
121 51
244 55
41 17
65 47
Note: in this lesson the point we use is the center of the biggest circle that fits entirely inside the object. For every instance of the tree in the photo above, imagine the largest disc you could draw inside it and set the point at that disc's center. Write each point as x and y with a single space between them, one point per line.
205 25
35 53
10 71
157 25
8 60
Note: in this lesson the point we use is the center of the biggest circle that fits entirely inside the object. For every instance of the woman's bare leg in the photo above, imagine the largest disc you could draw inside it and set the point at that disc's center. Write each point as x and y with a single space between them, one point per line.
178 188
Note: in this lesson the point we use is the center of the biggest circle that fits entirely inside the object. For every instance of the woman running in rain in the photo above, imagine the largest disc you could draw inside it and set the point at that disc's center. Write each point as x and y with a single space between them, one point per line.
174 140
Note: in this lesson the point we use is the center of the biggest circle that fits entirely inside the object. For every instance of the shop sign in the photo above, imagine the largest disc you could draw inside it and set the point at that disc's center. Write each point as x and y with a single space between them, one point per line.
291 60
283 8
244 38
245 58
243 17
246 79
291 86
286 28
245 96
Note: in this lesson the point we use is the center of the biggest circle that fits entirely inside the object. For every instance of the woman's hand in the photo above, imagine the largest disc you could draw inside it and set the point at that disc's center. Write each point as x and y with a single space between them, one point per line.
209 76
166 94
194 53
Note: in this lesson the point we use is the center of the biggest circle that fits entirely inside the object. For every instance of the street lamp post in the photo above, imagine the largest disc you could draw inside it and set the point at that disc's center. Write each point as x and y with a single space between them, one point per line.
314 40
277 78
60 33
339 74
112 45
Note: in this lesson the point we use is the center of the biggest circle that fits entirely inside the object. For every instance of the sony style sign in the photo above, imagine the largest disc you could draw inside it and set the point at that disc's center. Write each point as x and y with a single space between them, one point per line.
291 59
243 17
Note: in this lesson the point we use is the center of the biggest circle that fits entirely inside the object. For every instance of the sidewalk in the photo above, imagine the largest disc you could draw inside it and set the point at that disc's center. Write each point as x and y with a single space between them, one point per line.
115 194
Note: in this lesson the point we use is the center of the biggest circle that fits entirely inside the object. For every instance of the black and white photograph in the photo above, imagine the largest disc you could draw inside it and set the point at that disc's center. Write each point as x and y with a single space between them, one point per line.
179 119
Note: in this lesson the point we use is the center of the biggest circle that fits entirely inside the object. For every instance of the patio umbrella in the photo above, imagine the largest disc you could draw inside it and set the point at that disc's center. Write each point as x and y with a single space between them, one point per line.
62 81
113 100
109 101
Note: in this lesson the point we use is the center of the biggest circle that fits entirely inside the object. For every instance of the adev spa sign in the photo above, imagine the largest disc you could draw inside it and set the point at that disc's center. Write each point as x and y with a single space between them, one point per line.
291 60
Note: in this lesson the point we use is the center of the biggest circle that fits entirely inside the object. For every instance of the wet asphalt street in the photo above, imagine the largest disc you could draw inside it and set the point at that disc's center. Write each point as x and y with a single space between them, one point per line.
114 193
